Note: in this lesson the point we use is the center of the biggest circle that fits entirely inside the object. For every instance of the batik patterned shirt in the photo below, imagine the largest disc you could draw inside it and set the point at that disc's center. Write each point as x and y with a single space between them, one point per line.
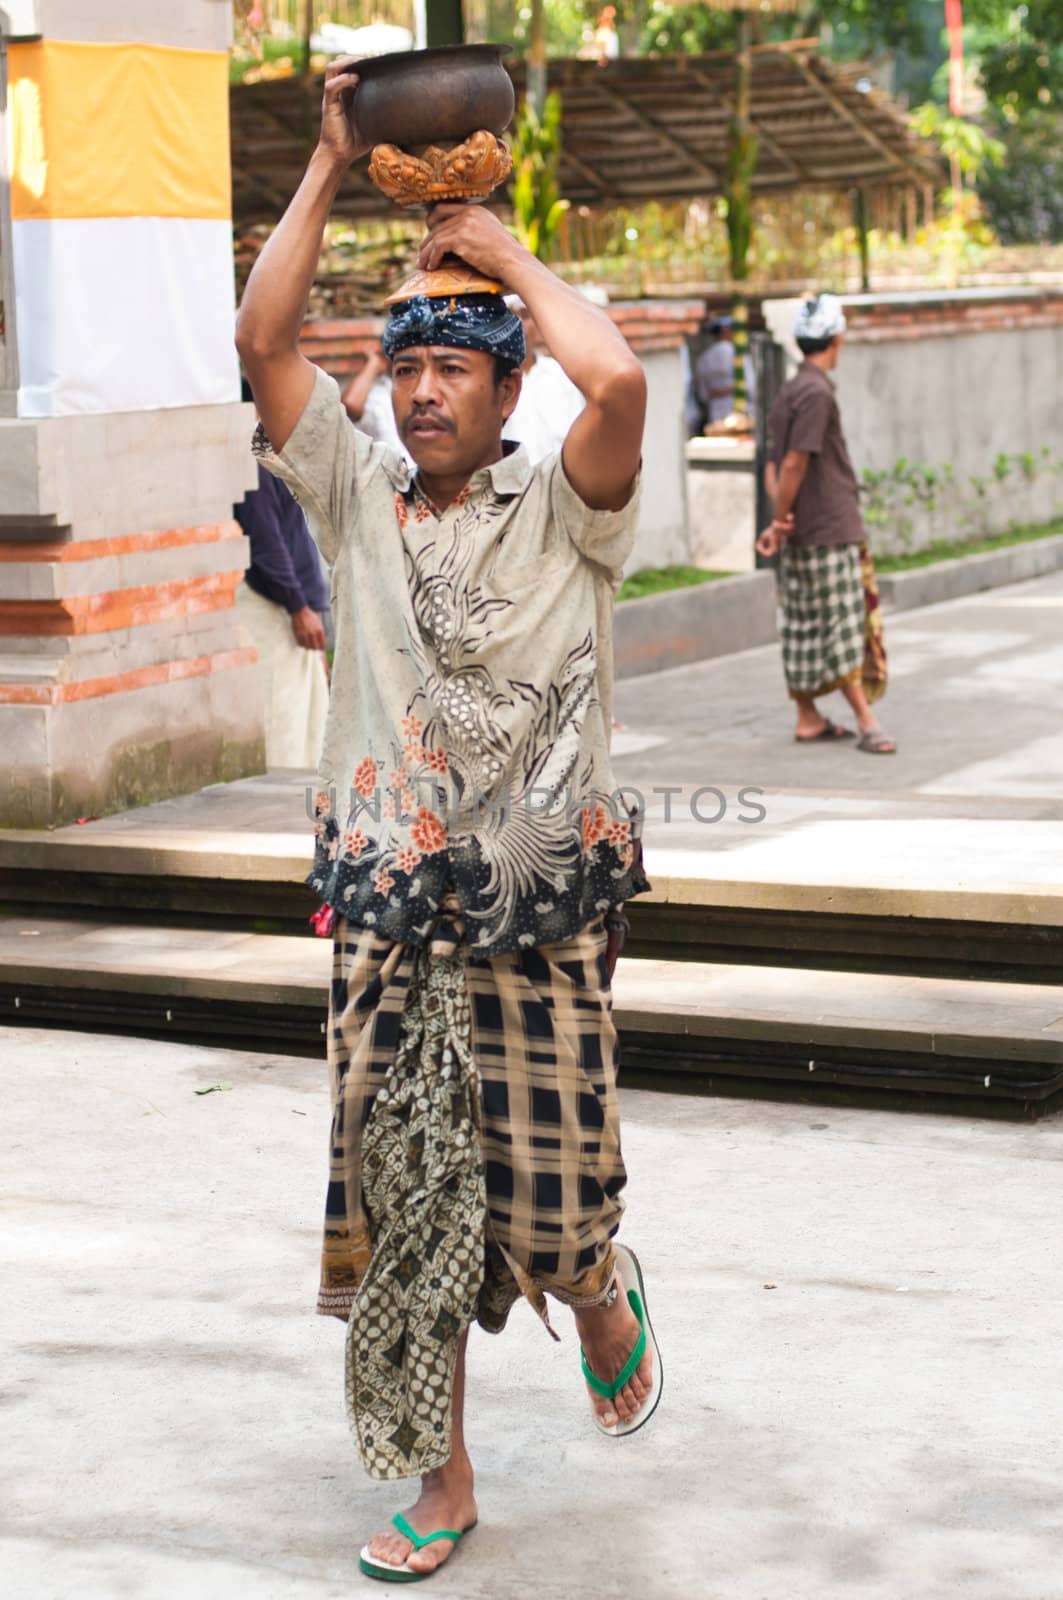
467 745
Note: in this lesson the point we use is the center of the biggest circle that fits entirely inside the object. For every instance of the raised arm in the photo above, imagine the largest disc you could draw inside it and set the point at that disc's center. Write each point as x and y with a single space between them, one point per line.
602 451
274 303
356 394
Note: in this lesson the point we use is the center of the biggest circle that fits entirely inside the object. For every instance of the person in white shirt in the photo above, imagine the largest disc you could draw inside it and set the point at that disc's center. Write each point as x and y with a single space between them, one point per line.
367 400
549 401
714 373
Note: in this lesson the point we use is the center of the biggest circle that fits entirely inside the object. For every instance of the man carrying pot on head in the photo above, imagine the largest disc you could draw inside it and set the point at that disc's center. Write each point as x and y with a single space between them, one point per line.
467 839
831 623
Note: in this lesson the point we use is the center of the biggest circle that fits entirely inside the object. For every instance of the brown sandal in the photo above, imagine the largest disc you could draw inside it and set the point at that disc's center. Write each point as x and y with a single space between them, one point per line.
877 743
828 734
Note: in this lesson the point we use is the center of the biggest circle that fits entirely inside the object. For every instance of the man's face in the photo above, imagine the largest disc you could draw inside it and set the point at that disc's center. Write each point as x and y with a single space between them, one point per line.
448 408
835 351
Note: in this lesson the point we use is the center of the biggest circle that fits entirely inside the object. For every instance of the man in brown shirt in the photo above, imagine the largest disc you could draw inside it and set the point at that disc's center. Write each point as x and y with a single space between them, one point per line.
819 533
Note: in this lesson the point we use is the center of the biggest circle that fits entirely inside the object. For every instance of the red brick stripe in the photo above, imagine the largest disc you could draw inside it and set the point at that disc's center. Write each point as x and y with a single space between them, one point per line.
53 694
120 545
120 608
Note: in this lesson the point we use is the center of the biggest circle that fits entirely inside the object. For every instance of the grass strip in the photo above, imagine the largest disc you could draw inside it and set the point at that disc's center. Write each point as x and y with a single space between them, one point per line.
955 549
658 580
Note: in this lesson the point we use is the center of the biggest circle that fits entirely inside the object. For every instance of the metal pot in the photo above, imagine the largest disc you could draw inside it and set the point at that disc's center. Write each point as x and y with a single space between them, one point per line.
440 96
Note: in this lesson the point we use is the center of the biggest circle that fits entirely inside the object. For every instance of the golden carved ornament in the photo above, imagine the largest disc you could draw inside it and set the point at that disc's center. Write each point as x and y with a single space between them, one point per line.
468 171
446 282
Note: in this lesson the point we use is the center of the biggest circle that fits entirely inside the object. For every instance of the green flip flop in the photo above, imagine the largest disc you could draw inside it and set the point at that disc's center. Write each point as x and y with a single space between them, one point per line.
406 1574
630 1274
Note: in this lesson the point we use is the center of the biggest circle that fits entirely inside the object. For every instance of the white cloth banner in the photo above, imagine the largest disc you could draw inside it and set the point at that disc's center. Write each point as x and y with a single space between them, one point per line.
124 314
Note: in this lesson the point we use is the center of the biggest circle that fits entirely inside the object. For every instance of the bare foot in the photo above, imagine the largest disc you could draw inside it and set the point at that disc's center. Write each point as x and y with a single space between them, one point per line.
446 1501
809 725
609 1334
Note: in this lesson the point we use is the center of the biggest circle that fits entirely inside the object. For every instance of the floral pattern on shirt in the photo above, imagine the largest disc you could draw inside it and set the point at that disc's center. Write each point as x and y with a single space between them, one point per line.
467 804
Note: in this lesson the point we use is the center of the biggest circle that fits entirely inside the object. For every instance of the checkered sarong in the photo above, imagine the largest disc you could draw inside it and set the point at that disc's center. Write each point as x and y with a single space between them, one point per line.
475 1156
824 617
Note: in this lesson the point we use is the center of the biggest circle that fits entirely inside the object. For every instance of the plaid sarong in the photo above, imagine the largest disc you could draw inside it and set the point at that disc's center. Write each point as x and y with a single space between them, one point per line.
475 1156
823 617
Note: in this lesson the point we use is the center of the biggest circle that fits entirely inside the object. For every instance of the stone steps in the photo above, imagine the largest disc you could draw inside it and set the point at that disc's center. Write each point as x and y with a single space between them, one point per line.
945 917
708 1026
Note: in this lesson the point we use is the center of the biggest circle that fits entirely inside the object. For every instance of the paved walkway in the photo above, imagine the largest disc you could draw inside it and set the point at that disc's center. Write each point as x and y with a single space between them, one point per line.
967 819
881 1424
973 703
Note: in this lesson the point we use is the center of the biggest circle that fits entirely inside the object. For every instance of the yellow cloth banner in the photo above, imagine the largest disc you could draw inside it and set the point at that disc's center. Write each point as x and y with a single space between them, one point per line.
118 130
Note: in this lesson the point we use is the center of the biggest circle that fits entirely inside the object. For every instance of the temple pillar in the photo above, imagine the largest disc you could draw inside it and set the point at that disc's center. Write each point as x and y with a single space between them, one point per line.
125 676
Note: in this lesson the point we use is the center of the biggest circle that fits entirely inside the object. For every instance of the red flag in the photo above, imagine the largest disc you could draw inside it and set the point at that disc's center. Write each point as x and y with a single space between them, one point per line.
954 23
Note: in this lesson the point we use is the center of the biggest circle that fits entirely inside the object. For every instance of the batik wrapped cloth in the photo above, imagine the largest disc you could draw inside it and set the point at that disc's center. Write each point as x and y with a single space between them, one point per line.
874 675
475 1157
462 322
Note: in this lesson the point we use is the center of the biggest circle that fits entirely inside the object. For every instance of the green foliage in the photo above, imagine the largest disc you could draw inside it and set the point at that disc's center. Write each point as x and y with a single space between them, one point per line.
1023 196
1021 65
868 26
537 203
859 27
894 495
967 143
565 22
954 549
686 30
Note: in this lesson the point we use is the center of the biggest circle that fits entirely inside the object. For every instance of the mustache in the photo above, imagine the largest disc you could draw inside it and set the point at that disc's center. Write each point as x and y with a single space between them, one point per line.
426 414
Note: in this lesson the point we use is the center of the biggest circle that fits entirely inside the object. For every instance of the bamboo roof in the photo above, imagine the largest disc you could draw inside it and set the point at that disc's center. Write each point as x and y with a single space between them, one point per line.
650 128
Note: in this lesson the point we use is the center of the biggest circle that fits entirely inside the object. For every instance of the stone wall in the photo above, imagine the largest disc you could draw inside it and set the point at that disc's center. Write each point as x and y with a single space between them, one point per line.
125 674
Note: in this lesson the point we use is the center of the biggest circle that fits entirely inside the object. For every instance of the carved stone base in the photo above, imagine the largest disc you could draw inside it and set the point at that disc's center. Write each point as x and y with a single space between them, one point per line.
468 171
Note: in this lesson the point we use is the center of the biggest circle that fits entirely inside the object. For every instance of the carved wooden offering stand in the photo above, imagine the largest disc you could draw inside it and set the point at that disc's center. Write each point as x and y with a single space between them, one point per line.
435 118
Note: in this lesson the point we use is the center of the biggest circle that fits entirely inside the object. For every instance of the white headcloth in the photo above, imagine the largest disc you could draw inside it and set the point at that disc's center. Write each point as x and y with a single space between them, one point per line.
820 317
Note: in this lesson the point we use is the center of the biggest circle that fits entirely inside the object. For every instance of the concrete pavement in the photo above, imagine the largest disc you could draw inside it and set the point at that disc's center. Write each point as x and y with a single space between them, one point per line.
972 701
882 1423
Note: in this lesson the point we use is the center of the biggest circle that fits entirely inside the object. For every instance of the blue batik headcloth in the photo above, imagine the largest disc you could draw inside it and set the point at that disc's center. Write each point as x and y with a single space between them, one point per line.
463 321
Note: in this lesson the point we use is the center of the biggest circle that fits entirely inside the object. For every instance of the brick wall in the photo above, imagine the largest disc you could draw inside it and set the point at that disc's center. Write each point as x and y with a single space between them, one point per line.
933 316
341 345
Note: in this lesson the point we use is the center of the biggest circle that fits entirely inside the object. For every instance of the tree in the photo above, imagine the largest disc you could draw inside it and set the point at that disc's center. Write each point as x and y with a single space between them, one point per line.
537 203
1023 195
859 27
741 165
1021 66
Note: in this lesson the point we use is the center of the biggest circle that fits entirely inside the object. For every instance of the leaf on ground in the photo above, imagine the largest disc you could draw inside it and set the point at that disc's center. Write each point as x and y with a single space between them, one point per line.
215 1088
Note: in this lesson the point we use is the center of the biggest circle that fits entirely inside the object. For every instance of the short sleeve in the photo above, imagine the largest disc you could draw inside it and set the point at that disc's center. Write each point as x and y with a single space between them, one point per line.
811 419
605 537
324 463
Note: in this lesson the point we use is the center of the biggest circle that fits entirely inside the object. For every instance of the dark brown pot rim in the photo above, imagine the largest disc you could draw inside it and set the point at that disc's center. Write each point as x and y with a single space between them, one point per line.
383 66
